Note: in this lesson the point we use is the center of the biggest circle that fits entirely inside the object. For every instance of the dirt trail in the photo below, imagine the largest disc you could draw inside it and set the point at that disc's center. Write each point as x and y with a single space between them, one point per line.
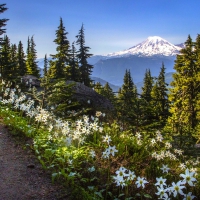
21 175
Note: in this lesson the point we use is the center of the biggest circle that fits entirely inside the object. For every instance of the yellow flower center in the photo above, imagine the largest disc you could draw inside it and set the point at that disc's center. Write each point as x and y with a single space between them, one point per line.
176 188
187 178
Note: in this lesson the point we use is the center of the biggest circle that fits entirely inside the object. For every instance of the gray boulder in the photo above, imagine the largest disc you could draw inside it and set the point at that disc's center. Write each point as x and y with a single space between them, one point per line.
30 80
85 94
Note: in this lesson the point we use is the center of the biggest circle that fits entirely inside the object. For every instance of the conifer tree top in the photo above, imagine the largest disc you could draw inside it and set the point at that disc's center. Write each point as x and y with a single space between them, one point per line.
2 21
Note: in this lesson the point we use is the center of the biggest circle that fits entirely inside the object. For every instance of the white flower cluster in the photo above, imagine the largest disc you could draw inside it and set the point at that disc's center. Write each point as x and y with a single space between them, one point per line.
125 177
164 191
169 152
57 127
163 154
42 116
159 139
111 150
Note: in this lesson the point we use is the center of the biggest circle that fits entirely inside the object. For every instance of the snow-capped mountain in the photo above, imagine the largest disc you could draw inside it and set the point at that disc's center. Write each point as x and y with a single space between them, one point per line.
153 45
149 54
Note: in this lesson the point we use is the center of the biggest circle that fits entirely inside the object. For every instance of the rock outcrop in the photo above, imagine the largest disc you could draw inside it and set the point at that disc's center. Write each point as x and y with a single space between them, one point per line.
85 94
30 80
82 93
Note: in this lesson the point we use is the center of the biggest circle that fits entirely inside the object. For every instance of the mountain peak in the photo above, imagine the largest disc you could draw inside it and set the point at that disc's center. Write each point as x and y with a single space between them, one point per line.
153 45
155 38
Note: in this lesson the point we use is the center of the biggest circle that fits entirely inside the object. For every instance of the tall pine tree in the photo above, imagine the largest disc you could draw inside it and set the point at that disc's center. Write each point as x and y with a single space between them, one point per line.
21 60
60 61
82 55
74 68
160 102
108 93
2 31
2 22
145 100
163 96
13 57
98 88
31 63
45 65
6 68
184 94
147 86
127 100
197 63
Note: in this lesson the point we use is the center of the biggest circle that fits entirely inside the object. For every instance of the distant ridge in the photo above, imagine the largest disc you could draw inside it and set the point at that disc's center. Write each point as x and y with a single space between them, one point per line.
115 88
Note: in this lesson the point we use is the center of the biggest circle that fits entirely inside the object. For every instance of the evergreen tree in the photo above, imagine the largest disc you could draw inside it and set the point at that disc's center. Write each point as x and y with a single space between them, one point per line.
127 100
60 96
28 59
197 77
21 60
6 70
61 60
35 69
160 102
108 93
128 86
2 31
98 88
74 68
147 87
119 92
145 101
184 94
2 22
82 55
28 47
45 65
155 93
31 63
162 89
14 61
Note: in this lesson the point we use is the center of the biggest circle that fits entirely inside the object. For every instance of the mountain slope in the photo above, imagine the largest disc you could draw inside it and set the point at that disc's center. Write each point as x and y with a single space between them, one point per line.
113 69
168 80
103 82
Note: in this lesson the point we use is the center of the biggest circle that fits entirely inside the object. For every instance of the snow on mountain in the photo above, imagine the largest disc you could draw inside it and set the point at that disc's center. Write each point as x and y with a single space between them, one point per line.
153 45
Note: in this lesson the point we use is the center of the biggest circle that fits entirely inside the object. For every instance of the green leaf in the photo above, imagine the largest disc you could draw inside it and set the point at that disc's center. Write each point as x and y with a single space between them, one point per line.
94 178
99 194
148 196
54 175
84 180
121 195
110 194
91 188
37 152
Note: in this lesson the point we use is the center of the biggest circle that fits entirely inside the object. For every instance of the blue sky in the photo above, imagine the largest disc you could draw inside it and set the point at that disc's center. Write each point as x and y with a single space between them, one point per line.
110 25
